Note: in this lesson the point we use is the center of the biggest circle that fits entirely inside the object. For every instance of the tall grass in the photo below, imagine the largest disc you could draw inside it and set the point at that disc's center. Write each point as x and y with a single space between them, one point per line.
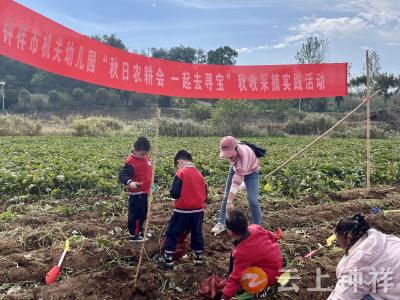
187 128
106 126
310 125
18 125
96 126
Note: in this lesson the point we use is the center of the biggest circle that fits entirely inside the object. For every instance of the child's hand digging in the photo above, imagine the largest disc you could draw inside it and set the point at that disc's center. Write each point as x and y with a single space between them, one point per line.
135 185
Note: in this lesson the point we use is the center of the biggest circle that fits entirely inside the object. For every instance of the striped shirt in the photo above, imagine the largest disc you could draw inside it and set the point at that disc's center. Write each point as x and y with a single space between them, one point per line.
246 163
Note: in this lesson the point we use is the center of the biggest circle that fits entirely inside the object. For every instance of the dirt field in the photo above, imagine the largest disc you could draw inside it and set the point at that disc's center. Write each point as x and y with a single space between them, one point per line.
102 265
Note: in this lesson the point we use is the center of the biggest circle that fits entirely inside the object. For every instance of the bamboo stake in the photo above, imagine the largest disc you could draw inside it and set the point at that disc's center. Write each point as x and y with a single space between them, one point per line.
368 123
150 199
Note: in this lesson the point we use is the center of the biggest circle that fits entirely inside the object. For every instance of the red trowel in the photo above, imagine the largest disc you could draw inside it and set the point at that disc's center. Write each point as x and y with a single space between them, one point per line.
55 272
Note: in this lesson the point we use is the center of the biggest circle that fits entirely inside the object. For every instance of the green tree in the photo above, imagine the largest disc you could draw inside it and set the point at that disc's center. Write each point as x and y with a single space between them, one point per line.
53 98
163 101
179 54
359 84
112 40
159 53
101 96
339 100
374 66
182 54
78 94
222 56
11 97
199 112
125 97
312 51
64 100
319 104
141 100
16 74
359 80
114 98
38 102
201 56
388 84
24 98
349 65
42 82
232 116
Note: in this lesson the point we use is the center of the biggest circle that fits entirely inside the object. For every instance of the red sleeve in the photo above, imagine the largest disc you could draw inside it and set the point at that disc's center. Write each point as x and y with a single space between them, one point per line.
271 235
233 284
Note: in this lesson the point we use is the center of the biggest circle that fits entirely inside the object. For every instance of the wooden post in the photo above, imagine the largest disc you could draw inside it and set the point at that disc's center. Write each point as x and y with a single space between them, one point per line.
368 122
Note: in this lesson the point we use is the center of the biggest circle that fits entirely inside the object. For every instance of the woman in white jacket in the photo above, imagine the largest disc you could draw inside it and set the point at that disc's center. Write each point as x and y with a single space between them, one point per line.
370 269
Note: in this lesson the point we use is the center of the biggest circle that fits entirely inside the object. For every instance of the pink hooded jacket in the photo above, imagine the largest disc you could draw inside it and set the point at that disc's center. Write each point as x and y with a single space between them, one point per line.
246 164
369 260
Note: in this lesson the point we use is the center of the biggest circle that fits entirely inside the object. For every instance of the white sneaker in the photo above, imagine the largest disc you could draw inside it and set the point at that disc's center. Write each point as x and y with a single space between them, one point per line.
218 228
147 237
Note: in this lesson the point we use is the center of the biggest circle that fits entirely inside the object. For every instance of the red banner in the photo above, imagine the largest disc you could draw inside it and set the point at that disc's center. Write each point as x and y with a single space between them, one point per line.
33 39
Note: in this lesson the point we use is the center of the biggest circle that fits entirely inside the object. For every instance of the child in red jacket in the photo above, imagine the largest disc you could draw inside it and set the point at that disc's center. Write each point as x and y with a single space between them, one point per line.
189 192
137 175
254 247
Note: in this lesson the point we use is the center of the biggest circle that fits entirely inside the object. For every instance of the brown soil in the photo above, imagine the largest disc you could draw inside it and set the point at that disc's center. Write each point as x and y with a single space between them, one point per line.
101 265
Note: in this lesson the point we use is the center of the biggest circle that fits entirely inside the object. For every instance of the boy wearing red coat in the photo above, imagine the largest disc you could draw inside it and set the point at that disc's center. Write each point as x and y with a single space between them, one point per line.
189 194
254 247
137 175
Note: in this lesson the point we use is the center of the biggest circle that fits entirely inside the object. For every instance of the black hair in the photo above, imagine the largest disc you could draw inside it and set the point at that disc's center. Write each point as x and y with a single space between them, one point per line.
142 144
237 222
357 226
182 154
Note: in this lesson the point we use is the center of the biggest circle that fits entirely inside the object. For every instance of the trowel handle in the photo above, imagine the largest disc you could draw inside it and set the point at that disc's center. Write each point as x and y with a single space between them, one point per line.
62 258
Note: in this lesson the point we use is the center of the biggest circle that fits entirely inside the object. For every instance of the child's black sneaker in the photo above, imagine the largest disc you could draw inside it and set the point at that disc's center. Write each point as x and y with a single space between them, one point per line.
135 239
198 258
139 238
269 292
166 262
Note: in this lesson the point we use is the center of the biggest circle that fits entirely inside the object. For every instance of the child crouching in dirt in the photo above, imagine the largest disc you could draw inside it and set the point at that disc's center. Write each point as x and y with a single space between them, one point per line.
370 255
137 176
254 246
189 192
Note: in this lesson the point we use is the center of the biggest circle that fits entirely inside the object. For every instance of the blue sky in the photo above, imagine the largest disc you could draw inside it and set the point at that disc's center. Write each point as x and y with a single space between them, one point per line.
263 31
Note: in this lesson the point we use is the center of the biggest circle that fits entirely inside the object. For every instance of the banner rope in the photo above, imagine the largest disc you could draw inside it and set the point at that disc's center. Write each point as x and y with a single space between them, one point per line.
366 99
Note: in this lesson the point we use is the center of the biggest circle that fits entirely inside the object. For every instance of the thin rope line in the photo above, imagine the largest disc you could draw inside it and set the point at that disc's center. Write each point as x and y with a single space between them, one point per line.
323 135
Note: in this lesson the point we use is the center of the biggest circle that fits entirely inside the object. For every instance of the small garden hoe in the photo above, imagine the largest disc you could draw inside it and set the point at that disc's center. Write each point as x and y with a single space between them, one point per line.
55 272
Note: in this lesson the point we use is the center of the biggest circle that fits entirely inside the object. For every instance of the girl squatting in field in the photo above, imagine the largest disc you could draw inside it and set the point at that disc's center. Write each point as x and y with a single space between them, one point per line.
370 269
